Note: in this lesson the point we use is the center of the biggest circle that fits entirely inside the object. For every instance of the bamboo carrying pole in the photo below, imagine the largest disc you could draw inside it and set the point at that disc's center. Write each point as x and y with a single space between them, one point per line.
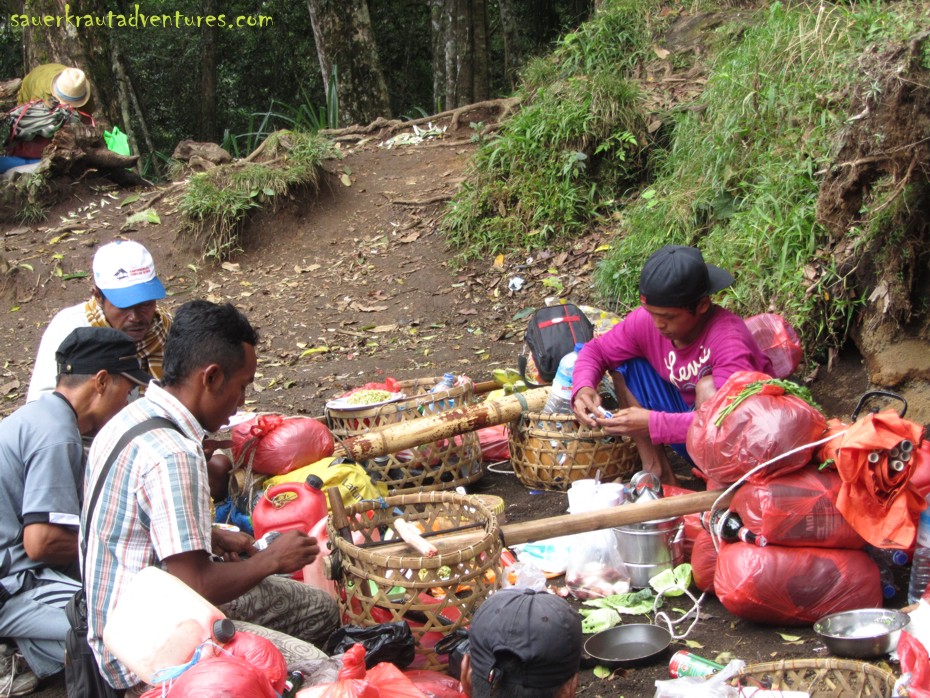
397 437
540 529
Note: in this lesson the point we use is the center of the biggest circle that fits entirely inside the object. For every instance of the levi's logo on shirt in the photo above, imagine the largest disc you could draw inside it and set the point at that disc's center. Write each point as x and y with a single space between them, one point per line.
688 374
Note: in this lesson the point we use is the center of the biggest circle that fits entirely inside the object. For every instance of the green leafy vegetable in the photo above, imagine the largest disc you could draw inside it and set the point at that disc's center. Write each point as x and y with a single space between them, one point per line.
634 603
598 619
672 582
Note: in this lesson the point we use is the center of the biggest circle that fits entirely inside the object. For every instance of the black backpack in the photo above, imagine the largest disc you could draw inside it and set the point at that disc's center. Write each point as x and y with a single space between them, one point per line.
551 334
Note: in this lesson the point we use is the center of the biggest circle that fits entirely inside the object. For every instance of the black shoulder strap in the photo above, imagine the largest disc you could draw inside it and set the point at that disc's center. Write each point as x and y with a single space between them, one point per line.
140 428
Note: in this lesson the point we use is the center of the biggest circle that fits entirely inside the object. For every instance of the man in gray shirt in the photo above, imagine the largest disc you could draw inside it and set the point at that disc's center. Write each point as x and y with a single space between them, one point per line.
42 471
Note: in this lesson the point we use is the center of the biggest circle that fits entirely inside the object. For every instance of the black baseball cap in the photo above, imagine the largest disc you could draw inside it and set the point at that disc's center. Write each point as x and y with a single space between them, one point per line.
540 629
677 277
88 350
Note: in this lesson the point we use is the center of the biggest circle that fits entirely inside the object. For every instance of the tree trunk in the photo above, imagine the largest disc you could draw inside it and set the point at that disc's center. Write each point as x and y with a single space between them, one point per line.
480 74
207 120
344 39
437 43
460 52
513 56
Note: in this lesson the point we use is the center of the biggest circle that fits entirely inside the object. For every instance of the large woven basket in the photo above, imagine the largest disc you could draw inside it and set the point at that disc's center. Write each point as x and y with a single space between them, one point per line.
822 678
386 582
551 451
438 465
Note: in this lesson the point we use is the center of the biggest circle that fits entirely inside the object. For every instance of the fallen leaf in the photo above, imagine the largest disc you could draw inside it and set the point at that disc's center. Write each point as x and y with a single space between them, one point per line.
231 266
315 350
468 311
305 270
131 199
694 644
601 672
661 52
346 180
369 308
9 387
499 261
410 237
602 248
384 328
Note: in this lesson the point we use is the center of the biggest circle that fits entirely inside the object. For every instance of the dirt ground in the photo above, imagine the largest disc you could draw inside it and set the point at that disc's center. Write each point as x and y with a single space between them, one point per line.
351 286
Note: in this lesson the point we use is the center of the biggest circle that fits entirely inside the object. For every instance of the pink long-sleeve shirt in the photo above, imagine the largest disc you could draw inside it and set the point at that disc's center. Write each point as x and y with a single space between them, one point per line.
724 347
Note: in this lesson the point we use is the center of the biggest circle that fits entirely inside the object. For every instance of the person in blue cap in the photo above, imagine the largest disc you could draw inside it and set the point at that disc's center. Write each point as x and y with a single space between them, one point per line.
125 297
523 644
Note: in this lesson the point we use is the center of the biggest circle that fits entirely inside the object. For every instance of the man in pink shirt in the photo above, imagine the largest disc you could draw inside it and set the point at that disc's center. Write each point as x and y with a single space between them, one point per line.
666 357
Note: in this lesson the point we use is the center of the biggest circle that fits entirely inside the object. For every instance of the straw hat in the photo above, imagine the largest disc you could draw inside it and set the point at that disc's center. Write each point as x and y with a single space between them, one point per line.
71 87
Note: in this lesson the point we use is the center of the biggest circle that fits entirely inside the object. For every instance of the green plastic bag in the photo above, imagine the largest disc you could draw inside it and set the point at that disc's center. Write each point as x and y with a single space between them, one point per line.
117 141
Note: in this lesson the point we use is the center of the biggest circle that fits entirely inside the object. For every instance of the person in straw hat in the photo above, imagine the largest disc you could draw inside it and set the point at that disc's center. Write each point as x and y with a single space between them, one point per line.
54 83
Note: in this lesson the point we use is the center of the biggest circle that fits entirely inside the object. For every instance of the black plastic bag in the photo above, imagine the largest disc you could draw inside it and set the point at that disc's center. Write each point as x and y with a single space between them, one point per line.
82 676
456 645
385 642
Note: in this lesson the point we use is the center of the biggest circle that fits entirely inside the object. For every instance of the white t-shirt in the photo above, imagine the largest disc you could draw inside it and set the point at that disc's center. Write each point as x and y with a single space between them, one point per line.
45 370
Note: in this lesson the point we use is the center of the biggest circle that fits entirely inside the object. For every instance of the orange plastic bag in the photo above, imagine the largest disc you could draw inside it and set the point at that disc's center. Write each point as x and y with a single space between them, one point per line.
383 680
730 436
277 445
704 561
235 675
778 341
876 499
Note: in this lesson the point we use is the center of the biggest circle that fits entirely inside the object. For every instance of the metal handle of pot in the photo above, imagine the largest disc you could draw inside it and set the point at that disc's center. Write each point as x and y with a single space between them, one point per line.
879 393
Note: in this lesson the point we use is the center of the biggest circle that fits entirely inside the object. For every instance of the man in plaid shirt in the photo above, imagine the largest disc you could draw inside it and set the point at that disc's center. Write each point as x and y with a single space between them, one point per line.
155 504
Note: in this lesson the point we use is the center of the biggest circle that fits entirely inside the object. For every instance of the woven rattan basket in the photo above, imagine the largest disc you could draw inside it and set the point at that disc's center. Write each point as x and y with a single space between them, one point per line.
822 678
380 582
438 465
551 451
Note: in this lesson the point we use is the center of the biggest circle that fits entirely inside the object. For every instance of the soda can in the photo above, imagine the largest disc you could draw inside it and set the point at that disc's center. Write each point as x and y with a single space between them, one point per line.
685 663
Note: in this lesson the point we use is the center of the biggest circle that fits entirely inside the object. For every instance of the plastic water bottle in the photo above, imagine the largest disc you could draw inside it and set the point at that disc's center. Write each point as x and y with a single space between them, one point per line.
447 383
887 560
920 567
560 393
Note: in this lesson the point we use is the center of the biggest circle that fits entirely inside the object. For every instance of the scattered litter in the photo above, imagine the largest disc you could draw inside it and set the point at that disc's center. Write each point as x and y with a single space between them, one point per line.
516 283
418 136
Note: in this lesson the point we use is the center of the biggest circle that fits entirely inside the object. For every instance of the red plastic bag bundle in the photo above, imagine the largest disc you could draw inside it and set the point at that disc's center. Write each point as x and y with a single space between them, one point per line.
434 684
693 524
261 654
794 586
797 509
778 341
915 666
704 561
495 445
218 677
920 469
384 680
735 431
278 445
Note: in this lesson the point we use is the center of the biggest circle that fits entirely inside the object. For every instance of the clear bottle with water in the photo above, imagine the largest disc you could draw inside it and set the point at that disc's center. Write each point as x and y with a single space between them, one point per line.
560 392
920 567
447 383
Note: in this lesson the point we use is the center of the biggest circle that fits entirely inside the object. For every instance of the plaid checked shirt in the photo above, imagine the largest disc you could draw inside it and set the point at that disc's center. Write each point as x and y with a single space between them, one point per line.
155 503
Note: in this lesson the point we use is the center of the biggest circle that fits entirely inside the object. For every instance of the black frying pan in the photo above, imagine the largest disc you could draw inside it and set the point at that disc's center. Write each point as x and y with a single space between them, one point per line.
627 645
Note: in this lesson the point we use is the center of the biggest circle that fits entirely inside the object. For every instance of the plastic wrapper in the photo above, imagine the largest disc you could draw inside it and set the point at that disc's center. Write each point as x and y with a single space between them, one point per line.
797 509
495 445
794 586
778 341
277 445
435 685
595 568
261 654
714 686
704 562
759 428
385 642
915 668
223 676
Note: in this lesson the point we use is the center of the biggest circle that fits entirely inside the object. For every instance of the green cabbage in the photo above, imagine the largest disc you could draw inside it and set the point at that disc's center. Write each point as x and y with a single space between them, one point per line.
672 582
598 619
634 603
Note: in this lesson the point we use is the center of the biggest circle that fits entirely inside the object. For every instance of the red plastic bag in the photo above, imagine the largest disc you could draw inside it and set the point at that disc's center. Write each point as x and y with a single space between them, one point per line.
261 654
218 677
914 661
390 385
778 341
794 586
729 436
278 445
384 680
797 509
495 445
693 524
704 561
434 684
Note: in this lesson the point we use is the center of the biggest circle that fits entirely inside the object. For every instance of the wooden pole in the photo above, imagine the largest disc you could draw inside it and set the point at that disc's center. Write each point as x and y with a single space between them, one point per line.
397 437
540 529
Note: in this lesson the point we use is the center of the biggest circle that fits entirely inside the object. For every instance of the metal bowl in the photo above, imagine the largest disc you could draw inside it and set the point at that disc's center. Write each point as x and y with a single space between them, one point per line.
863 633
627 645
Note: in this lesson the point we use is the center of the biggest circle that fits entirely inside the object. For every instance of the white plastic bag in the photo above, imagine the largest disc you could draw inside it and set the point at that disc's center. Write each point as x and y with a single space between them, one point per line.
595 568
702 687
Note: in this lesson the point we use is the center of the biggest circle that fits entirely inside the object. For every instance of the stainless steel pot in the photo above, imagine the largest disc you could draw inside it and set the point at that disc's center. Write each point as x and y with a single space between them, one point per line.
862 633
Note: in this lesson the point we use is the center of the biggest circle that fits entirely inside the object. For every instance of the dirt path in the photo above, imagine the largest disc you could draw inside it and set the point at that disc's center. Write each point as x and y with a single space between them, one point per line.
348 287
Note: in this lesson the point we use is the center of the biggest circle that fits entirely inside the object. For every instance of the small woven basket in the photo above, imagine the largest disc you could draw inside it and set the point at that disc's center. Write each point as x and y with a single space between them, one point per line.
390 582
822 678
438 465
551 451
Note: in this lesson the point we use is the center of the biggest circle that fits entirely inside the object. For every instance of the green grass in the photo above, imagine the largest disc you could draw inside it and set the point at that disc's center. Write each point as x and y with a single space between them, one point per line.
218 202
740 176
576 143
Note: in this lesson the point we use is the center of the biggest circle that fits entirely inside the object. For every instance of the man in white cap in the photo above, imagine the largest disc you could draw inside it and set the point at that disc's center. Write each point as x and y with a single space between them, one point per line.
125 295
